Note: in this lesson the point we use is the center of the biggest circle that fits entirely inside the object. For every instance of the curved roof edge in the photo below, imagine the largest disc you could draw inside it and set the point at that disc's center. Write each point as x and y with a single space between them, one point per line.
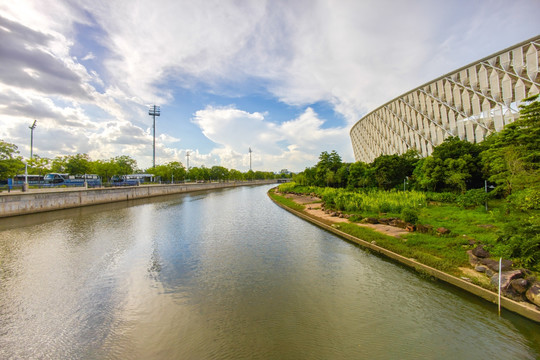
531 40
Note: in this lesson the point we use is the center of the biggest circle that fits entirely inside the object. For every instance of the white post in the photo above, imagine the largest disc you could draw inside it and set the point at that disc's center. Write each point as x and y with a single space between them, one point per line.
25 185
500 270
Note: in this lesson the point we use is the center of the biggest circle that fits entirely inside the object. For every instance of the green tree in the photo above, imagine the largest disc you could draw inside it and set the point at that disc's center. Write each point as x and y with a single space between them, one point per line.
204 173
193 173
178 171
10 163
162 171
173 170
105 169
219 173
199 173
235 175
59 164
328 165
342 174
78 164
458 172
264 175
38 165
512 156
453 166
391 170
126 165
360 175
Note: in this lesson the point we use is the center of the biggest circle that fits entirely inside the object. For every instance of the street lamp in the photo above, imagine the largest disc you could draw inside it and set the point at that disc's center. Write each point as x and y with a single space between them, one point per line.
154 111
32 138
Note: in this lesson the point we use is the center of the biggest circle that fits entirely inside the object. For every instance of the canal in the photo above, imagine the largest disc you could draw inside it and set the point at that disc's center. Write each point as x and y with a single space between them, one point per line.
226 274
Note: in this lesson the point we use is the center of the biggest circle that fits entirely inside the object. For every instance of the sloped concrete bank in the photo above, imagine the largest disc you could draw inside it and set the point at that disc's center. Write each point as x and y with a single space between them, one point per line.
13 204
524 309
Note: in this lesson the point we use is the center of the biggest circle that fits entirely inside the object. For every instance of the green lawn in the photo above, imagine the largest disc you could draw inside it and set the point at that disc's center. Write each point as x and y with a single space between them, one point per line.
468 227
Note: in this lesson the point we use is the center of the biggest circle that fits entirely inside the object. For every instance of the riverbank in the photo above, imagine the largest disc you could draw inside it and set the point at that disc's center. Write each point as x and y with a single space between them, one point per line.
331 223
41 200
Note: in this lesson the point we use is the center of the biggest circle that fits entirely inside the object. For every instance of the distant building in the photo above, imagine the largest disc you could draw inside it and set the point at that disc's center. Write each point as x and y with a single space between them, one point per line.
470 102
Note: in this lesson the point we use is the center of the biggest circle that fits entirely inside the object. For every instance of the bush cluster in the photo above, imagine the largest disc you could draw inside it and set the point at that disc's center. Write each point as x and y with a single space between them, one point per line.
474 197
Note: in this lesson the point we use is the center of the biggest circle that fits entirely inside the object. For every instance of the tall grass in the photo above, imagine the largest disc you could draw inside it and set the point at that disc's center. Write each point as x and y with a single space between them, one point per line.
369 201
505 231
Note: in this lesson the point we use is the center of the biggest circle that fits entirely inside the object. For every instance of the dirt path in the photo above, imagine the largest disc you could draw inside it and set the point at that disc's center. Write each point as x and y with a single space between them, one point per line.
313 208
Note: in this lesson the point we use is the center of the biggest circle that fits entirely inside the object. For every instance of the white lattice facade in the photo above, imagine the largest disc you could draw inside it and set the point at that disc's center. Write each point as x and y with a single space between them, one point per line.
470 102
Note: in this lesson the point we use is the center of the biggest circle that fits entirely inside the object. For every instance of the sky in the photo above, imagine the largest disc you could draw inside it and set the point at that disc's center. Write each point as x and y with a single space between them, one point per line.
286 78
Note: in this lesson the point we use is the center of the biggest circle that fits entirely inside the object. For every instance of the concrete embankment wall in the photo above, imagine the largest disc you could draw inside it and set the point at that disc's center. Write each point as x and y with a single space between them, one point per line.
524 309
12 204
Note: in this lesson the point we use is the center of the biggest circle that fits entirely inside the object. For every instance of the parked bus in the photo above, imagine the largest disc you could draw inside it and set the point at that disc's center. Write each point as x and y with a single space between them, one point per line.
55 179
142 178
123 181
131 180
32 179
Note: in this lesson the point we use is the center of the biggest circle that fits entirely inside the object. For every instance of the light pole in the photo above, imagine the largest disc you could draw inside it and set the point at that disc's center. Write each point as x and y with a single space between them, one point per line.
154 111
32 138
25 185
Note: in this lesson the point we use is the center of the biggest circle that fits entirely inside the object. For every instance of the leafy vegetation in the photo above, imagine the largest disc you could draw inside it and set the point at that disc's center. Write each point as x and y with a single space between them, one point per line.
11 164
285 201
447 189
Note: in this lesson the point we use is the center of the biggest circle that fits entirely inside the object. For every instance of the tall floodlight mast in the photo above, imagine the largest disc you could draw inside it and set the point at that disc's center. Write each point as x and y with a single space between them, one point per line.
32 138
250 158
154 111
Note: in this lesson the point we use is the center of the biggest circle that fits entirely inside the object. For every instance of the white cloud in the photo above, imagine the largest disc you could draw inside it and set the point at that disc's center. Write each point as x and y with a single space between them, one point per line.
237 129
88 56
355 55
293 144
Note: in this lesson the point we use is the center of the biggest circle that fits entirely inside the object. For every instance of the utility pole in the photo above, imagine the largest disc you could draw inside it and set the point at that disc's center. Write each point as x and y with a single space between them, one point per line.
32 139
250 158
154 111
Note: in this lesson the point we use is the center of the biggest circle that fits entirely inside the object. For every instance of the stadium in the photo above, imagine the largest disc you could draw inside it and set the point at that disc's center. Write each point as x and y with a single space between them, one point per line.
470 102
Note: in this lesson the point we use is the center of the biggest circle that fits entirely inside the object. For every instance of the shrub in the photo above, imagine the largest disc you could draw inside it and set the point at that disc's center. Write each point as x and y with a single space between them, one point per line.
356 218
472 198
521 241
527 199
409 215
384 207
445 197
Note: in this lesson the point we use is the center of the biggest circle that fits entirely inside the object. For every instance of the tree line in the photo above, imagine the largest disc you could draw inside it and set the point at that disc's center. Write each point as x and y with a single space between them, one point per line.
509 160
11 164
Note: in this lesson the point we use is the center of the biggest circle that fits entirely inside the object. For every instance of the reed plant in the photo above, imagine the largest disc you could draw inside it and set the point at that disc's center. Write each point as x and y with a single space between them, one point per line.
363 201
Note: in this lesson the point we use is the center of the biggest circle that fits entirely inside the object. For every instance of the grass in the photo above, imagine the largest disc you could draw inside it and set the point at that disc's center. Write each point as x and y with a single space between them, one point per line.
444 254
468 226
285 201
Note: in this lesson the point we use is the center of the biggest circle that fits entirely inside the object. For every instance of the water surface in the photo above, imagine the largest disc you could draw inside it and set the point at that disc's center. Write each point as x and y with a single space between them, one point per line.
226 275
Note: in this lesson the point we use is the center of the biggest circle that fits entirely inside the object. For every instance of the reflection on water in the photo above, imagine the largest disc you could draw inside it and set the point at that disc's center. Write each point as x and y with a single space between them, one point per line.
226 275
